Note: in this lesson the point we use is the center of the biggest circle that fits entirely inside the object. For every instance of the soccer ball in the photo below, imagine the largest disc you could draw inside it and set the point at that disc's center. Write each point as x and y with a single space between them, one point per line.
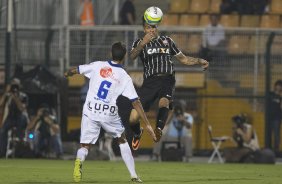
153 15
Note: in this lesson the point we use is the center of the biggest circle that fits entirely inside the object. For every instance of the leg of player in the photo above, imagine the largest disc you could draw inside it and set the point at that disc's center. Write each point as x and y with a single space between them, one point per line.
162 117
134 120
80 157
128 158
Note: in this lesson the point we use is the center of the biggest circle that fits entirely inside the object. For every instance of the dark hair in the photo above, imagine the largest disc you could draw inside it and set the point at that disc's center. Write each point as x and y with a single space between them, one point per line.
143 21
215 15
239 119
118 51
178 110
278 83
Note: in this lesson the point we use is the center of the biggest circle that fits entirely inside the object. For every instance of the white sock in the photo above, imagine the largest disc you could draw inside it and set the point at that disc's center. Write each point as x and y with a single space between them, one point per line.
82 153
128 159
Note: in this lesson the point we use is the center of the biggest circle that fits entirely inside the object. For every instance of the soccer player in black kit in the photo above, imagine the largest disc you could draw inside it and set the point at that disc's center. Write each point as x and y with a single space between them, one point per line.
155 52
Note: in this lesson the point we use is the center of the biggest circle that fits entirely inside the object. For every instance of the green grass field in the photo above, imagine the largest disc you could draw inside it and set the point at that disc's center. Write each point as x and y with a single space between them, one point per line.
58 171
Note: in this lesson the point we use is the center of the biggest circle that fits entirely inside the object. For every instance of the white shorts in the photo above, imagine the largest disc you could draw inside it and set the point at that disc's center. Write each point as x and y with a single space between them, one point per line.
90 129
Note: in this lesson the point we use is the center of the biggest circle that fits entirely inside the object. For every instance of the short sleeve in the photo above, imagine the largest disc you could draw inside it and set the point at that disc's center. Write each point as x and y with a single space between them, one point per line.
173 48
130 91
135 43
86 69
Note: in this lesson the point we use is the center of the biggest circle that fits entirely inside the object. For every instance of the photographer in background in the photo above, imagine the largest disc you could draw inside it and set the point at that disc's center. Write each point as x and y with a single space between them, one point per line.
14 104
245 138
178 128
46 132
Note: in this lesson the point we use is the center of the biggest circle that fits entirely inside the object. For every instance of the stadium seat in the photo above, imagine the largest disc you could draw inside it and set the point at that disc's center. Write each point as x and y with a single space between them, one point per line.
216 143
170 20
238 44
204 20
249 21
181 41
215 6
189 20
277 45
270 21
193 44
257 44
179 6
276 7
229 20
199 6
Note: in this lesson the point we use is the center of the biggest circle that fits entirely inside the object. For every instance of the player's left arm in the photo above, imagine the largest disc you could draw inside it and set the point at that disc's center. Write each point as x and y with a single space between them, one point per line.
187 60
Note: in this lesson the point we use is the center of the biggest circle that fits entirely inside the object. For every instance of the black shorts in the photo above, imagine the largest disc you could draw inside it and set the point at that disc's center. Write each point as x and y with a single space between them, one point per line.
156 87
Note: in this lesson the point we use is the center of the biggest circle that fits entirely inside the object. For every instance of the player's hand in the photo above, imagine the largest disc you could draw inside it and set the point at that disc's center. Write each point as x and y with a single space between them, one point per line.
147 38
204 63
68 74
151 132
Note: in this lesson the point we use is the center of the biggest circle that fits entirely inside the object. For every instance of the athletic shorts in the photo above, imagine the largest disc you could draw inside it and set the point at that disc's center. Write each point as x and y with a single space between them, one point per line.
156 87
90 129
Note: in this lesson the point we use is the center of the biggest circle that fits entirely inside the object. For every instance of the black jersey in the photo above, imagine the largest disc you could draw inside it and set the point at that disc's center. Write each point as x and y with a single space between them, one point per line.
156 56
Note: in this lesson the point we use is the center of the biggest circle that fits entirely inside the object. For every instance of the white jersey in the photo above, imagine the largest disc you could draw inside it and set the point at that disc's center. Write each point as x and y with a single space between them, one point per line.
108 80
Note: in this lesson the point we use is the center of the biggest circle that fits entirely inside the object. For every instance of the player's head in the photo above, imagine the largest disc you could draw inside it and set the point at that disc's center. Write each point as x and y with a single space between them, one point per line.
214 19
118 51
278 87
150 28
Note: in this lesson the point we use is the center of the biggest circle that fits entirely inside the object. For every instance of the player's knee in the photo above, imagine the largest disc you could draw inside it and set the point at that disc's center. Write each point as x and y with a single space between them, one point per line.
87 146
164 102
134 117
122 139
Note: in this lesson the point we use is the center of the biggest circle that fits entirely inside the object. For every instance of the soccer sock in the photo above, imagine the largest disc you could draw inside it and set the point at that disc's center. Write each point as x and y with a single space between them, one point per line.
128 159
162 116
135 128
82 153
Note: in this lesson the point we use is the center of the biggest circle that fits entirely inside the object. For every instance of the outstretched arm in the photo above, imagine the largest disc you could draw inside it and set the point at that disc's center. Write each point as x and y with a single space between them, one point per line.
187 60
71 72
138 107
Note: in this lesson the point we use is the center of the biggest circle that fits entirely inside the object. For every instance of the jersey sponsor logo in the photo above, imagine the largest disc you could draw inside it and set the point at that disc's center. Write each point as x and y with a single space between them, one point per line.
100 108
157 51
106 72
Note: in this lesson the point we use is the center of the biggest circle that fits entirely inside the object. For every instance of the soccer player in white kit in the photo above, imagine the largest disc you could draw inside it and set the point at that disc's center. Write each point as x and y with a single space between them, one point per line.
108 80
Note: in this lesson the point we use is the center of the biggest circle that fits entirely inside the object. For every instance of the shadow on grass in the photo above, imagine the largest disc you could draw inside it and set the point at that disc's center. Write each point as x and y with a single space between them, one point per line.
202 180
150 181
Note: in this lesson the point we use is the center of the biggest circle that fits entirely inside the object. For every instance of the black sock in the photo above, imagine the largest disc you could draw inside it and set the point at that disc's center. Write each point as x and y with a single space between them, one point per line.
135 128
162 116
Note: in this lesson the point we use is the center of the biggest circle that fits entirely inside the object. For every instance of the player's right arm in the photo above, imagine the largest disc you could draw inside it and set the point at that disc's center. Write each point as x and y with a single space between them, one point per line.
85 70
71 72
138 107
138 45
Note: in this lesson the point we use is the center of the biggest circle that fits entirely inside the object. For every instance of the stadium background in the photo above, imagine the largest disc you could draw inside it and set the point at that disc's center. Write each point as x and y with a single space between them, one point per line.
48 33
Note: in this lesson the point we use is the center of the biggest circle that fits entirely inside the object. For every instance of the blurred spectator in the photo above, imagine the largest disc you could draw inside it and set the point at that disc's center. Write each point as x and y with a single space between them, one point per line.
46 132
245 138
179 128
86 13
243 7
275 116
213 45
247 150
127 13
228 6
14 103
